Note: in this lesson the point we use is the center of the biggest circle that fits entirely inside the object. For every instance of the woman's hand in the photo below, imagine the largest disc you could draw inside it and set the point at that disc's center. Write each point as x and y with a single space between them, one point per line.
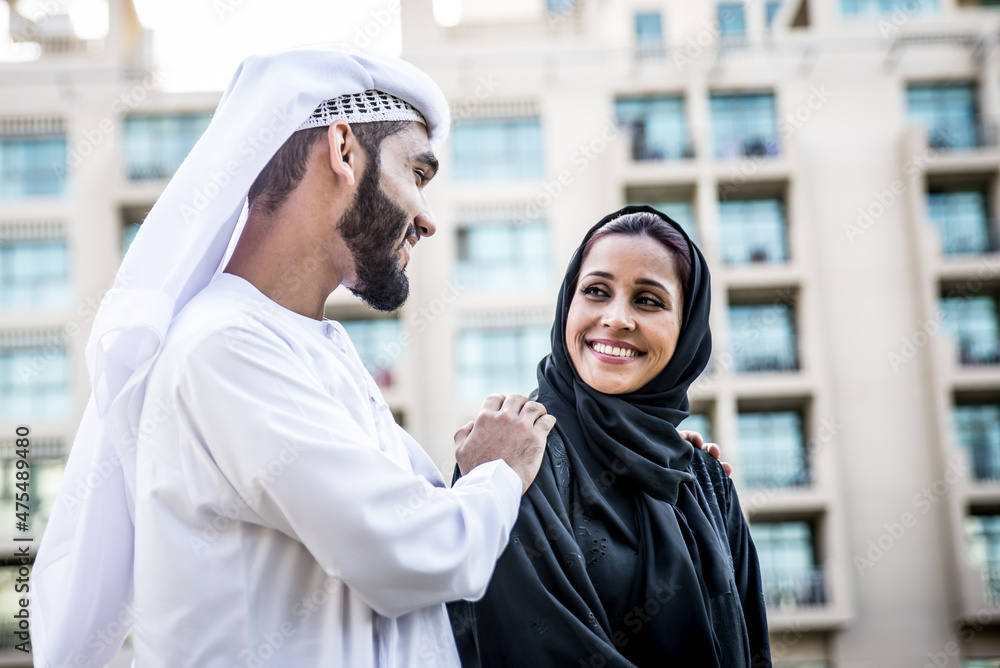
695 439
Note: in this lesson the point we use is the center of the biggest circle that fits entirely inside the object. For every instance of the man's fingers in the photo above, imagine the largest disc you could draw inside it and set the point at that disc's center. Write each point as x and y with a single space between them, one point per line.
713 450
546 422
728 468
513 403
533 410
463 433
692 437
493 402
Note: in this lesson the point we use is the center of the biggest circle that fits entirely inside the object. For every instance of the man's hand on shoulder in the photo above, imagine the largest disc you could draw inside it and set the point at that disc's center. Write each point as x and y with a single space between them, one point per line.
510 428
695 439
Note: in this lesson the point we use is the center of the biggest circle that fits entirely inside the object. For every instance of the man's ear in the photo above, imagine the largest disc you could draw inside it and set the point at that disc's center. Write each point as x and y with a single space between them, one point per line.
346 153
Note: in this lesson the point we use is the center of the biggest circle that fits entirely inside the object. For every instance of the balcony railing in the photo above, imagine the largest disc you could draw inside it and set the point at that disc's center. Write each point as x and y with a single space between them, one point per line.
763 363
776 469
991 583
985 462
749 146
962 136
786 588
976 353
959 238
643 150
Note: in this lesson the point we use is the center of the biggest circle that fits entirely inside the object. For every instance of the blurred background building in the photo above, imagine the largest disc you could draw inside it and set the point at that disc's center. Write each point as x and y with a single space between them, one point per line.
836 160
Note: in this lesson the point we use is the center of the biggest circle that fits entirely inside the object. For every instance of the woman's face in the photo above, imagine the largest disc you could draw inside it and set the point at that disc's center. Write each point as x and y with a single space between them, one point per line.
625 315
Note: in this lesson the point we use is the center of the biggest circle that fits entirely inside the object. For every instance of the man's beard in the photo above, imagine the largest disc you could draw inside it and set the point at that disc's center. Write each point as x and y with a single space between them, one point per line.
371 229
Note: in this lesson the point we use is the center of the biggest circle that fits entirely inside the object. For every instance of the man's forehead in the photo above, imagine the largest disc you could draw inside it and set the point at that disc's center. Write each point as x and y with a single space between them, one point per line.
411 144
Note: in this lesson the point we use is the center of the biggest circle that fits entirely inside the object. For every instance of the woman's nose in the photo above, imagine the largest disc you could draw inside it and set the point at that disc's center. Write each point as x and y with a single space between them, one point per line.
617 315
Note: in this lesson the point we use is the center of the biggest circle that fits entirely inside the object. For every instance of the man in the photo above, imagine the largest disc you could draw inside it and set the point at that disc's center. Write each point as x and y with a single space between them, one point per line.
281 517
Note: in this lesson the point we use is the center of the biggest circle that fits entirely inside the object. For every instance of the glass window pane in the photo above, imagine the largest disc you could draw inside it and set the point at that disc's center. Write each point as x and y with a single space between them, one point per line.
379 342
499 360
973 323
35 382
961 219
502 254
743 124
156 145
763 338
497 149
753 231
656 126
875 7
772 450
788 565
698 422
731 20
34 273
948 111
32 166
978 429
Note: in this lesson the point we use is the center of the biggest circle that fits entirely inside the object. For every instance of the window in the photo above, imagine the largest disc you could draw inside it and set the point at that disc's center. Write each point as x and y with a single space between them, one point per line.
128 236
871 7
499 359
155 146
681 212
788 564
649 34
731 20
753 231
379 343
503 254
560 6
497 149
772 451
34 377
34 273
656 125
743 124
973 322
961 219
771 8
763 338
698 422
32 165
982 534
978 429
948 111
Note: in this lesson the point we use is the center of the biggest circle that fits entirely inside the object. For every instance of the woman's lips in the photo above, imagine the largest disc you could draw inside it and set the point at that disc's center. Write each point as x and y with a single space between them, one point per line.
614 352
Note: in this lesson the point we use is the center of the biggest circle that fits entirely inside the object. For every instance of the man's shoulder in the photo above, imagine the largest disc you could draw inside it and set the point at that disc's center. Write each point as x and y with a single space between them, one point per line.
218 319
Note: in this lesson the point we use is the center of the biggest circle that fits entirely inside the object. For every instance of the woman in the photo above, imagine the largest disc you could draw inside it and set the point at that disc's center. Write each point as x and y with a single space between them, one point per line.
630 548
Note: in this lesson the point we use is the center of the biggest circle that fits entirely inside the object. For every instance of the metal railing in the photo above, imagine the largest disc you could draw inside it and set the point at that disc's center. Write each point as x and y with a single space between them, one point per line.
749 362
962 239
776 469
794 589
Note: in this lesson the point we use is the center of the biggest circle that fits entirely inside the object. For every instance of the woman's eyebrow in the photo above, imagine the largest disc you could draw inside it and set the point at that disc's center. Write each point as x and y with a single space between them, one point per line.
638 281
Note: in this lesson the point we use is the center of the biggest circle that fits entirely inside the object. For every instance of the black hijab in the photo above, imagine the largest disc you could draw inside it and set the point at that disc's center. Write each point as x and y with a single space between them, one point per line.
630 548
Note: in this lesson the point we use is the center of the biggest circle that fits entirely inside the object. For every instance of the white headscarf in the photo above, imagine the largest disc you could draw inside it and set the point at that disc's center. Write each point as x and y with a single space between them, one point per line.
81 588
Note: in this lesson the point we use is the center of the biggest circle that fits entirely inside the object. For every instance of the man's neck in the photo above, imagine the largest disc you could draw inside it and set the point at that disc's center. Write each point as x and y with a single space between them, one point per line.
293 271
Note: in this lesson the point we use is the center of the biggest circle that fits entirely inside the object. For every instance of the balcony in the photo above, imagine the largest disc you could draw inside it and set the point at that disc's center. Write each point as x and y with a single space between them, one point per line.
794 588
965 238
946 137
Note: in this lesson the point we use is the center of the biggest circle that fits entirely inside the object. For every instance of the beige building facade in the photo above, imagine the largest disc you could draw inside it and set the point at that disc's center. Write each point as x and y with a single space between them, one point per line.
835 160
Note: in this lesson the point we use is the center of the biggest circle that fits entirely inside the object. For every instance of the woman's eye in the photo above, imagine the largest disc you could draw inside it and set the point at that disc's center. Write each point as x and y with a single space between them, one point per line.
649 301
595 291
420 176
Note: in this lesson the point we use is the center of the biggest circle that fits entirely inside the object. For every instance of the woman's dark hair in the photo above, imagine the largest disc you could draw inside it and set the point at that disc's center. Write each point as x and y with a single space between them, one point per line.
649 224
285 170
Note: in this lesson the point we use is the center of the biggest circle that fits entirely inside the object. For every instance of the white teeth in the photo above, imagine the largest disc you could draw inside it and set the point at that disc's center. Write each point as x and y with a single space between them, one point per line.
614 350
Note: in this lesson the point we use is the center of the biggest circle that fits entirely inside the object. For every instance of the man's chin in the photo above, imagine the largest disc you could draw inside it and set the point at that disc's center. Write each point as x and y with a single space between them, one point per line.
383 298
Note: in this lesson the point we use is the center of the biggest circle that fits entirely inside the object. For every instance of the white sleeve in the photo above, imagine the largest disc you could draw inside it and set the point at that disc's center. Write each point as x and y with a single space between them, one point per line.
307 468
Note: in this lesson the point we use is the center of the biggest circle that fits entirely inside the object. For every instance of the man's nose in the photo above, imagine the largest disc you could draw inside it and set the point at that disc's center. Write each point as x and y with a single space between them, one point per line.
425 222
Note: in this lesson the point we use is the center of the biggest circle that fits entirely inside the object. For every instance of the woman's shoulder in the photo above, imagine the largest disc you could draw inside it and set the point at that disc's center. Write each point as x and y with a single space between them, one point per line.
710 475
